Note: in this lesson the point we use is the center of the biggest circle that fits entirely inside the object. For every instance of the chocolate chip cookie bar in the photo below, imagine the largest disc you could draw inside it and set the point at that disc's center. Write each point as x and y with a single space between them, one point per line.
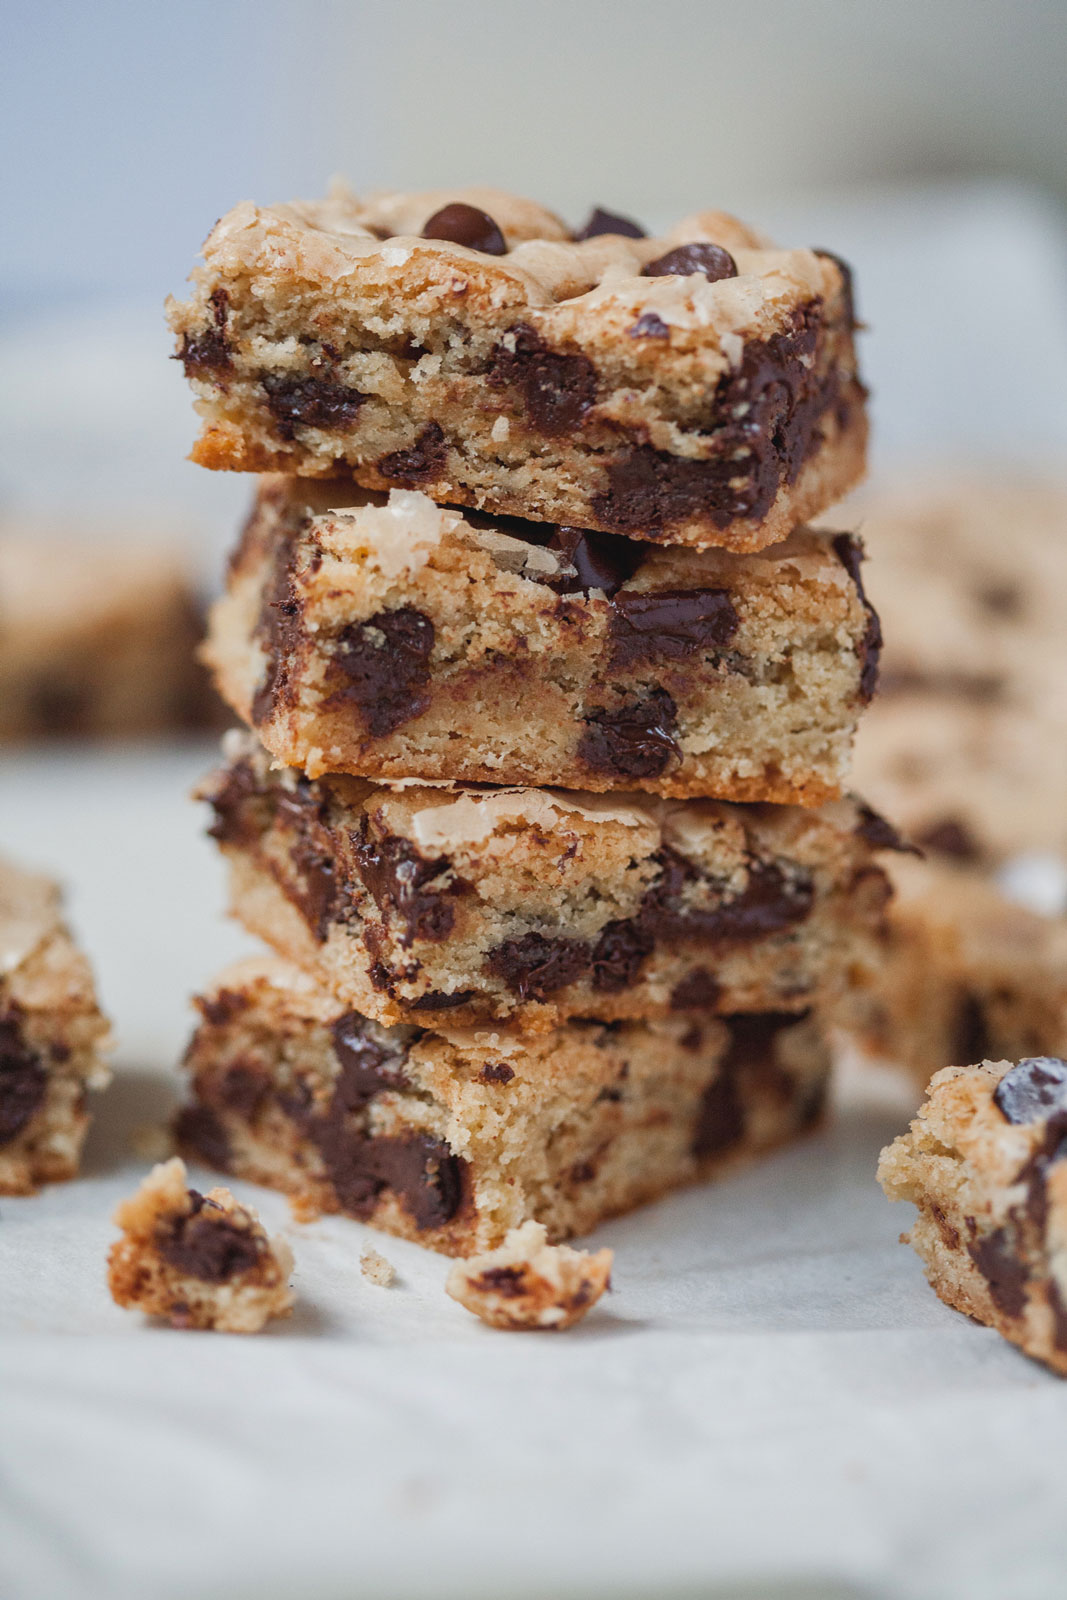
700 388
984 1163
965 974
200 1261
528 1283
424 904
456 1137
52 1036
359 635
97 640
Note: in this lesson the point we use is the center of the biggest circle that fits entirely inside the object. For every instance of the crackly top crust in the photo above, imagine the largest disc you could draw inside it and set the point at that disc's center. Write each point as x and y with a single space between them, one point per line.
561 280
30 913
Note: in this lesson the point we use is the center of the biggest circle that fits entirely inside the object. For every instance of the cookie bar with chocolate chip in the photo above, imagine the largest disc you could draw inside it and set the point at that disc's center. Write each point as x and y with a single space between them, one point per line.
698 388
985 1163
425 904
454 1138
52 1036
200 1261
358 635
964 973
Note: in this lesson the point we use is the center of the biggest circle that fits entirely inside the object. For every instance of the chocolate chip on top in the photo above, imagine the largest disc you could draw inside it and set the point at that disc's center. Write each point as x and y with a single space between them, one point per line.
601 222
710 259
1033 1089
460 223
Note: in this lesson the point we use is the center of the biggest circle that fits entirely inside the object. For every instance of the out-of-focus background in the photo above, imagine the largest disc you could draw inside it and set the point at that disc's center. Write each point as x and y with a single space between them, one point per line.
927 142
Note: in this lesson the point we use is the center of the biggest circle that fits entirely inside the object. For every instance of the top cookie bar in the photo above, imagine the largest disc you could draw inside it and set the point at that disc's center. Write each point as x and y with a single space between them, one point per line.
698 388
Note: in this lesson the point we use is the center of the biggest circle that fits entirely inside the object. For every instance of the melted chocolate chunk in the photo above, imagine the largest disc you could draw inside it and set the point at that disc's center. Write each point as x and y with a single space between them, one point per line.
710 259
201 1133
206 1245
208 353
649 326
424 460
1058 1307
436 1000
601 222
996 1257
764 422
219 1009
770 901
367 1067
23 1079
278 631
312 402
848 284
504 1281
880 834
534 967
951 837
1033 1090
460 223
601 560
243 1088
314 888
385 667
753 1047
849 552
496 1072
971 1035
674 623
234 806
619 955
720 1121
397 877
699 990
557 388
636 741
422 1173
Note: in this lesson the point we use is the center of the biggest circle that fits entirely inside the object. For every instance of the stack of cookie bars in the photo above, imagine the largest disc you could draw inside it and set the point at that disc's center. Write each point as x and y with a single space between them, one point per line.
551 696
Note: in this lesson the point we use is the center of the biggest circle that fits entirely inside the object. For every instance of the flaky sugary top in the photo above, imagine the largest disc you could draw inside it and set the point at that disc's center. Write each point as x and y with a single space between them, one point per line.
30 911
528 257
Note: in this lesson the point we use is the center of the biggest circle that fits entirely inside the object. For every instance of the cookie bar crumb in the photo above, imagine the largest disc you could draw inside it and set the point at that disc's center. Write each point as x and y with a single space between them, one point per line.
200 1261
529 1283
983 1163
375 1268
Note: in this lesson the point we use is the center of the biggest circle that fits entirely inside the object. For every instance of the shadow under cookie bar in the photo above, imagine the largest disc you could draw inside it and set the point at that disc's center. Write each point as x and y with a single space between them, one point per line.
359 635
699 388
52 1037
430 905
452 1139
984 1164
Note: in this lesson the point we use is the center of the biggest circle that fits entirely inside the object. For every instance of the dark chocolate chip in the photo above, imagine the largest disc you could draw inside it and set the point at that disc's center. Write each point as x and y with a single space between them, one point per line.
399 879
425 1176
534 967
558 387
206 1245
674 623
950 837
234 806
996 1256
23 1079
504 1281
1033 1090
710 259
221 1008
970 1032
601 222
278 630
435 1000
720 1121
209 352
459 223
311 402
201 1133
649 326
619 955
423 461
772 899
637 741
1058 1307
880 833
384 664
699 990
600 560
243 1088
850 553
752 1053
313 886
367 1066
496 1072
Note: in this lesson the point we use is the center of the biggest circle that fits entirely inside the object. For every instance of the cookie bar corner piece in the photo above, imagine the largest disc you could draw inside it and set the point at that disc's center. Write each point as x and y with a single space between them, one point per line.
53 1036
700 387
985 1164
528 1283
199 1261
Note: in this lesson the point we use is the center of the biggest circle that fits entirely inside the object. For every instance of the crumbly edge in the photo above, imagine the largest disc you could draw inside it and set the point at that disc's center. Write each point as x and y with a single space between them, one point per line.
528 1283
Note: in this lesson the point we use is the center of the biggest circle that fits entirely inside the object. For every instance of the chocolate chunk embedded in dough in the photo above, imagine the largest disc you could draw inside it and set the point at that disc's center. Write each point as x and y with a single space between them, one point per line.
459 223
